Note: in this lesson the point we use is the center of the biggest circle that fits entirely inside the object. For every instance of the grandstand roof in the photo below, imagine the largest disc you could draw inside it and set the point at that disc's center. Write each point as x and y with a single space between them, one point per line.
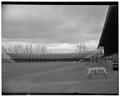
109 37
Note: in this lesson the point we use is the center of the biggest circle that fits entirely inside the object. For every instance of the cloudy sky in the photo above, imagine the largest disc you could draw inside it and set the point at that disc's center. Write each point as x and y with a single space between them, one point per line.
53 23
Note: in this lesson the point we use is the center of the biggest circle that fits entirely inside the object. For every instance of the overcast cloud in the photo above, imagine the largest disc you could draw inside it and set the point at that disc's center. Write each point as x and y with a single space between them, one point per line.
53 23
59 27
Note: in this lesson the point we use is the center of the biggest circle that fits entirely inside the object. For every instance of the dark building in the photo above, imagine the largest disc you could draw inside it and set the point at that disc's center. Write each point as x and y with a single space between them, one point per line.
109 37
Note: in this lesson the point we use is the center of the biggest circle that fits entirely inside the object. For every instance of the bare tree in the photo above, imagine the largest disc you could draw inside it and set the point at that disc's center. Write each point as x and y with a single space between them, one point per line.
81 47
4 49
38 49
43 49
84 47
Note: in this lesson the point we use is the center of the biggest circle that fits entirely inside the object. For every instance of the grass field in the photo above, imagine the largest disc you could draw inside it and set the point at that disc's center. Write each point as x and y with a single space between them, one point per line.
55 77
